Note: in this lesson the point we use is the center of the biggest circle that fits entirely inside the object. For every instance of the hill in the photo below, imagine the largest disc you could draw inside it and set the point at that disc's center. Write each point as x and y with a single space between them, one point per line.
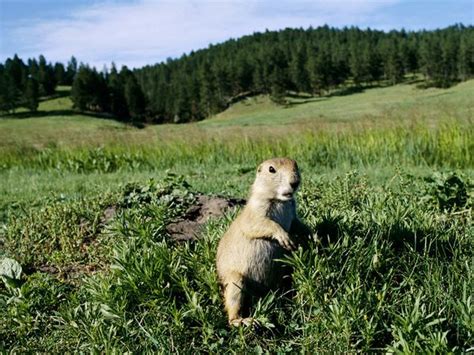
56 124
404 102
303 62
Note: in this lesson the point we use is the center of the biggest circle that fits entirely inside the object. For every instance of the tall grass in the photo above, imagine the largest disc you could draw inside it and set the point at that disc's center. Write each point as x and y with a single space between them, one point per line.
449 145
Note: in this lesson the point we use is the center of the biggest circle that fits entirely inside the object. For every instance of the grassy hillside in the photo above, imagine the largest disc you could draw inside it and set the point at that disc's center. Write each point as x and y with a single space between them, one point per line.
400 102
57 125
387 189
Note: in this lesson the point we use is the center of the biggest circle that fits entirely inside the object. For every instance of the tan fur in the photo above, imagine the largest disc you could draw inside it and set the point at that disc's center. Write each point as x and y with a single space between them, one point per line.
266 227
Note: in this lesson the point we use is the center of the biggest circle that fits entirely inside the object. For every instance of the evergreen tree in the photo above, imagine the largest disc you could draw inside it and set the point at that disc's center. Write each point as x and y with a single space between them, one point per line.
277 82
33 68
431 60
298 71
60 74
341 69
243 74
320 71
206 93
134 97
31 94
71 71
259 81
466 56
117 103
374 63
46 79
4 104
358 65
450 50
14 82
408 53
89 90
393 64
223 86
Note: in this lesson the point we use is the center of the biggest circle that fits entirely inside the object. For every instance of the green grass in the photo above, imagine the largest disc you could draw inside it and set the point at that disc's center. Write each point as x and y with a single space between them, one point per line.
388 190
401 103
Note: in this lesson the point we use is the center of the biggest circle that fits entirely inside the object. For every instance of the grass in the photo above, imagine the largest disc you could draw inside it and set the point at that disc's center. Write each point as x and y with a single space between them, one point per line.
402 102
388 190
400 105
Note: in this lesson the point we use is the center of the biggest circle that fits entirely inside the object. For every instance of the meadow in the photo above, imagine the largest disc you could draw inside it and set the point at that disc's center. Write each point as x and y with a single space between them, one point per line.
87 263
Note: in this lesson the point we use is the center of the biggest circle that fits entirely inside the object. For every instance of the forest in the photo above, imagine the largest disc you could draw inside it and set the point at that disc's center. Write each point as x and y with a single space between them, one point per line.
313 61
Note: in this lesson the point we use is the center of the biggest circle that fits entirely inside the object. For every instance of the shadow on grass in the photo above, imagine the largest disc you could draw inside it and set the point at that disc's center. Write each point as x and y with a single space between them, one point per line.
60 93
314 99
299 95
50 113
350 90
402 239
344 91
67 112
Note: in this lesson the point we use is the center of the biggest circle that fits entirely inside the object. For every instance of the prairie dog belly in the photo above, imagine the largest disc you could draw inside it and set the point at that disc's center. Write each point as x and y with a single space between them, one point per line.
254 259
262 269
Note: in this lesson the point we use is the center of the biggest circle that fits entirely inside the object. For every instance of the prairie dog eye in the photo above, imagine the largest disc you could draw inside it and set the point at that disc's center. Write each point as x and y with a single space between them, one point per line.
272 170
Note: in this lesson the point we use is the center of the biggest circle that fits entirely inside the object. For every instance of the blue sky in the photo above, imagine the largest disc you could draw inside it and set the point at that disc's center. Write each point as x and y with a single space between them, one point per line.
140 32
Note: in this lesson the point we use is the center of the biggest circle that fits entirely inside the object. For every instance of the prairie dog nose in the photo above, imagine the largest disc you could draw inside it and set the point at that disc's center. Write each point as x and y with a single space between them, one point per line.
294 184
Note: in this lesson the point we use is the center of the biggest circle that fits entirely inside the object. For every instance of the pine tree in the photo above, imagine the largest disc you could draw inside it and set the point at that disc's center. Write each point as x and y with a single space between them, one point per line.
298 70
393 65
207 93
31 94
71 71
134 98
15 81
374 63
60 74
432 59
33 68
450 50
89 90
46 79
320 71
117 103
358 64
341 69
4 104
277 83
258 78
466 56
222 85
243 74
408 53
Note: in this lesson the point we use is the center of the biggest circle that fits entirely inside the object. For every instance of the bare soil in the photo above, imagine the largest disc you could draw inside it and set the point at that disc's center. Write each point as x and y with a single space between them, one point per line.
206 207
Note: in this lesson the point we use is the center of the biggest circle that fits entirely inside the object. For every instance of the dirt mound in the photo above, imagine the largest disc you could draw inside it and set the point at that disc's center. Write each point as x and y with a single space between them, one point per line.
206 207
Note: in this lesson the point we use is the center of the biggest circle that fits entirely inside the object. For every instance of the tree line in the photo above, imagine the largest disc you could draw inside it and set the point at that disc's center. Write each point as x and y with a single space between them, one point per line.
22 84
312 61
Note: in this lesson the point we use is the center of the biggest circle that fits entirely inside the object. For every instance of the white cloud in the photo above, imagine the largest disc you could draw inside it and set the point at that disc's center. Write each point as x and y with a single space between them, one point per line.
145 32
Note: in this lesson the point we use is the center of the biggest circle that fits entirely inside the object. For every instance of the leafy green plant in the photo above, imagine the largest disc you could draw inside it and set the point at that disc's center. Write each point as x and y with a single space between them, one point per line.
10 272
450 190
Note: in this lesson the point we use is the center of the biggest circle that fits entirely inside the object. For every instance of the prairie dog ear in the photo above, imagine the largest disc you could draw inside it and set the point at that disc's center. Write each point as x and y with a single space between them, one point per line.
259 169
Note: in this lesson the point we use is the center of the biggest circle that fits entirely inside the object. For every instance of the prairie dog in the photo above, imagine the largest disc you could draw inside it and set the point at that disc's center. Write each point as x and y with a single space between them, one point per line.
261 233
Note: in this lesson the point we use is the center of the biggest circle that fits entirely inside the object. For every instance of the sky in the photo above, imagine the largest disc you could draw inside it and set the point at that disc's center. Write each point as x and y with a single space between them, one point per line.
141 32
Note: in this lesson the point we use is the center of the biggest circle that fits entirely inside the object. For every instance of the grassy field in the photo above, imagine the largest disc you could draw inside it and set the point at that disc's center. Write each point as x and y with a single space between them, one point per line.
388 190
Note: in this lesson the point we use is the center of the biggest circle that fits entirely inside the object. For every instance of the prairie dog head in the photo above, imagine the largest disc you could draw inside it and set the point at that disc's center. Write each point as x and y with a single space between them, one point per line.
277 179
